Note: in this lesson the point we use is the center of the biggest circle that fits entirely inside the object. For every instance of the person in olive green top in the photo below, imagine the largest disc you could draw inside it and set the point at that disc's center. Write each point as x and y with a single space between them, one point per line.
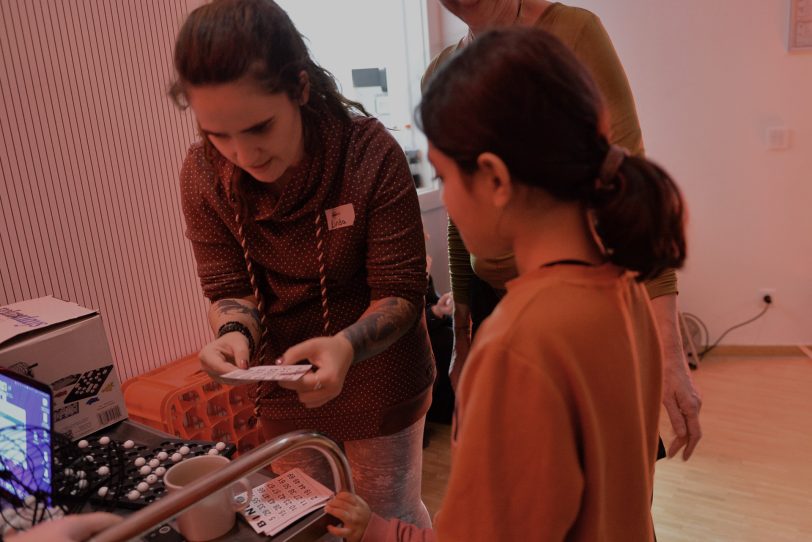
584 34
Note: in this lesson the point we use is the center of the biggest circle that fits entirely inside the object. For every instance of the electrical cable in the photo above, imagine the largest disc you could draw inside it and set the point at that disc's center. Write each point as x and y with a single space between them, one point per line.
767 304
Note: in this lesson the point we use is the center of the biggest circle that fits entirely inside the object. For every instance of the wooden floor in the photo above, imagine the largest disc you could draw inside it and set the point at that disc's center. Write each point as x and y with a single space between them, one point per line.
751 477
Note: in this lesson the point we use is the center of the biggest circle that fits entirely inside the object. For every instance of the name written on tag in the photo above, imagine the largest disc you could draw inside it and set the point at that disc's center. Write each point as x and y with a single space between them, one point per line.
342 216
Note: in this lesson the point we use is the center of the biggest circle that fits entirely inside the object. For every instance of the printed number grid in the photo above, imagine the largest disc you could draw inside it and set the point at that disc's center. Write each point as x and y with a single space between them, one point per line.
282 500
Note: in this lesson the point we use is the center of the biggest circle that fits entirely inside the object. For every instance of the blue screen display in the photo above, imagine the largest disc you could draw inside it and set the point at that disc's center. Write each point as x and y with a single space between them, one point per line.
25 439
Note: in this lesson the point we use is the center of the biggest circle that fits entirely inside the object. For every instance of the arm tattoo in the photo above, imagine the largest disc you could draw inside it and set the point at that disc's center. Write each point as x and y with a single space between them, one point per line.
237 309
231 306
383 324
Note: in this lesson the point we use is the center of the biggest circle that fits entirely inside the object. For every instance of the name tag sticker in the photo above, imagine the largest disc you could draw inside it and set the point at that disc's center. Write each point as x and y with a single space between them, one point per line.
340 217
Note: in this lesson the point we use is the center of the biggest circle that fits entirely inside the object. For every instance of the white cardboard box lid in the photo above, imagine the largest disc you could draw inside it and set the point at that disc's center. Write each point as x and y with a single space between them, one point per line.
36 314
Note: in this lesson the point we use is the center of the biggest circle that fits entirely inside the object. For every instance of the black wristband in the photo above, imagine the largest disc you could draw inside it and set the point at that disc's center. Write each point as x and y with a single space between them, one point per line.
228 327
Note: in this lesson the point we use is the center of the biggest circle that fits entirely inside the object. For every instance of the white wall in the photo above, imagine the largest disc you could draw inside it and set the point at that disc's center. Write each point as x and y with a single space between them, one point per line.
709 79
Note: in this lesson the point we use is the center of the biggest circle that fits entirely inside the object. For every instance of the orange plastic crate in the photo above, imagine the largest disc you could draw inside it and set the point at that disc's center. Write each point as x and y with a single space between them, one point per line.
182 400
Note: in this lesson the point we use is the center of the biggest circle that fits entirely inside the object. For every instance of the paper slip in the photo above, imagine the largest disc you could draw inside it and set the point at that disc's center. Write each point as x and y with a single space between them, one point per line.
267 372
280 501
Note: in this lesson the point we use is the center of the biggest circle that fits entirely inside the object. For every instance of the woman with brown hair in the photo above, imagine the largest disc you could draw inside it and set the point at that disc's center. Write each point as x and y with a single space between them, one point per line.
307 234
555 435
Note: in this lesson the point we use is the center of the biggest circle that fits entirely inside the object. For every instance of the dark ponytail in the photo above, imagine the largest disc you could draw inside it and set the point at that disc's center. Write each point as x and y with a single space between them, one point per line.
639 215
524 96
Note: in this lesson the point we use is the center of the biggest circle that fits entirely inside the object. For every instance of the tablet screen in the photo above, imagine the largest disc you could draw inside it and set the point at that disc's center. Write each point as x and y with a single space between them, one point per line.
25 437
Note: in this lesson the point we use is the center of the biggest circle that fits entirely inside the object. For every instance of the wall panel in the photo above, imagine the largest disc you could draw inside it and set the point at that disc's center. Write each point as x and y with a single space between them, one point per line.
90 150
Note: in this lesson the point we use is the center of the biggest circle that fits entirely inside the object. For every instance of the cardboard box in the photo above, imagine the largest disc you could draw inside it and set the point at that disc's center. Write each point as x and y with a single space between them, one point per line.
64 345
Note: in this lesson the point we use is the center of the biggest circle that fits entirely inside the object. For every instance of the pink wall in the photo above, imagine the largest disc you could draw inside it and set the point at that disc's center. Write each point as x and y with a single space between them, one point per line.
709 79
90 149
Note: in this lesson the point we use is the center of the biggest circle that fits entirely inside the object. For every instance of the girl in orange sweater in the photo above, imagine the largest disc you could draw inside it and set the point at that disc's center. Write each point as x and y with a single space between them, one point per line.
556 427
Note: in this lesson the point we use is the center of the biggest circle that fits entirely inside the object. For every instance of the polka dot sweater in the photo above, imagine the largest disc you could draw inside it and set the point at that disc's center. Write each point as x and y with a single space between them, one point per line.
381 253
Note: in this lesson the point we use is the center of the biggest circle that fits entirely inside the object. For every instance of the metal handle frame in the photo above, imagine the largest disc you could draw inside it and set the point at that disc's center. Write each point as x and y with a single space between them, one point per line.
171 505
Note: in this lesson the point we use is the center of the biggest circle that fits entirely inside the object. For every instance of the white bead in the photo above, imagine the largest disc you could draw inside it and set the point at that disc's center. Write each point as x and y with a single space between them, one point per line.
184 450
163 456
89 458
81 474
151 479
176 457
103 491
214 451
153 463
104 441
160 471
134 495
142 487
83 443
146 469
140 461
103 470
83 484
129 444
220 446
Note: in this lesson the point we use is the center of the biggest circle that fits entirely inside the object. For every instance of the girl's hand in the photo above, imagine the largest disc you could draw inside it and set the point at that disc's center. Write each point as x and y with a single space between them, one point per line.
331 357
353 512
225 354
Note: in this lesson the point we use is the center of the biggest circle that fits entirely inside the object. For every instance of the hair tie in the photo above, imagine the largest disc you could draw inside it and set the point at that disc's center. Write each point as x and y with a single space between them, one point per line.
609 168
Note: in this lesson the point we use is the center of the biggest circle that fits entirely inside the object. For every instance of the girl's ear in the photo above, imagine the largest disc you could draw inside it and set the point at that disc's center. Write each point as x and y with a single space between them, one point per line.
304 87
497 179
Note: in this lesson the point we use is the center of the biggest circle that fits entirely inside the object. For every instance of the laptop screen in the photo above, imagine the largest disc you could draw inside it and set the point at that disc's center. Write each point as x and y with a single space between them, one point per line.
25 437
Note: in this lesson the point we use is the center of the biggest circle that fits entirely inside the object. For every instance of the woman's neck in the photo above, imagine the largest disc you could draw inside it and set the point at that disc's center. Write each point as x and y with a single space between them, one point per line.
560 232
523 13
531 11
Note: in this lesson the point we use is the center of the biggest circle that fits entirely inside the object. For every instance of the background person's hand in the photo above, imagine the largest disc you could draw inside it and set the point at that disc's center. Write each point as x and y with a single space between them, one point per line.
331 357
353 512
73 528
444 306
682 402
225 354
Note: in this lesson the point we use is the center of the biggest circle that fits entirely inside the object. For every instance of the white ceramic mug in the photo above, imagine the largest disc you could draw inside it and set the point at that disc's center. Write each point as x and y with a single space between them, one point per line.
213 516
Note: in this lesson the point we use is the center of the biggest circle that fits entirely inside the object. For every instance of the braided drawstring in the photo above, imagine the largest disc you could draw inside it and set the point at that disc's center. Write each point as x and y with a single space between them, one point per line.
325 311
263 318
261 388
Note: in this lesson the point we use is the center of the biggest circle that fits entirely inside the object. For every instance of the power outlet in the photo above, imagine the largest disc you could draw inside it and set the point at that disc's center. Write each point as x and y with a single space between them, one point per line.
766 292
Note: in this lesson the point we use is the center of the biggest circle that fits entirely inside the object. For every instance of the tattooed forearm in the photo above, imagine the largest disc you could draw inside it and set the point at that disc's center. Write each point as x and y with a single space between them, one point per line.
241 310
381 325
233 306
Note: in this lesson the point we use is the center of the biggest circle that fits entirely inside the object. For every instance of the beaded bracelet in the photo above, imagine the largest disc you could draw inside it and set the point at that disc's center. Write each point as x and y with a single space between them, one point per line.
228 327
